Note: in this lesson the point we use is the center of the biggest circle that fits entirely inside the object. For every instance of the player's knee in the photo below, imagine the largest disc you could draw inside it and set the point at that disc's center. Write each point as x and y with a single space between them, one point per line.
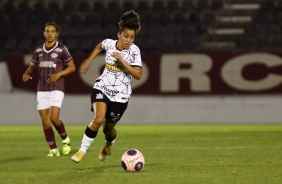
46 123
98 120
54 119
45 120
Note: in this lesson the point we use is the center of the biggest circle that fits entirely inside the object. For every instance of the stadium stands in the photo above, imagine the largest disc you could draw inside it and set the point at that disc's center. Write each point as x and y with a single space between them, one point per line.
168 26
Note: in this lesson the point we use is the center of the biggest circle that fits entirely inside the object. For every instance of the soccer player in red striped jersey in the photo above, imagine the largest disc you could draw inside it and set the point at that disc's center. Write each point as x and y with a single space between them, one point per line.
54 62
112 90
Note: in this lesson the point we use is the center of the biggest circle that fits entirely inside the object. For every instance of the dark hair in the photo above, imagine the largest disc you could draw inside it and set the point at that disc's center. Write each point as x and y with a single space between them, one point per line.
53 24
129 20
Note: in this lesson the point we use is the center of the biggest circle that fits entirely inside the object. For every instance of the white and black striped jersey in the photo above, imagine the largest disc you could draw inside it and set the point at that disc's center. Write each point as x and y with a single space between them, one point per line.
115 80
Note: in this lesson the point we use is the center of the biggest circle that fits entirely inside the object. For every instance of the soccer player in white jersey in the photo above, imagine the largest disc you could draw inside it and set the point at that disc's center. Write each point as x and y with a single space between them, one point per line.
53 61
112 90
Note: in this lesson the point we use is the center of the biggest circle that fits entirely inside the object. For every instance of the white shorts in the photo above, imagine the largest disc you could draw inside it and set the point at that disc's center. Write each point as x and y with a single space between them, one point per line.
46 99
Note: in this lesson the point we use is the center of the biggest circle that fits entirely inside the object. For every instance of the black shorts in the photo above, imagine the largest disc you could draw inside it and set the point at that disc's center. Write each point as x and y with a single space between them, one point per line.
115 110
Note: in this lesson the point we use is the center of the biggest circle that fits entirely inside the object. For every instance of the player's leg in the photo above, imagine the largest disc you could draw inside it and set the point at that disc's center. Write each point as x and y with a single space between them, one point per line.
43 104
110 136
56 103
93 127
113 115
110 131
91 130
48 132
60 127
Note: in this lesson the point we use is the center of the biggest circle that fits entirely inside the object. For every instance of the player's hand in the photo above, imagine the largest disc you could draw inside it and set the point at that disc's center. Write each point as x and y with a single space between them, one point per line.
53 78
26 77
84 67
116 55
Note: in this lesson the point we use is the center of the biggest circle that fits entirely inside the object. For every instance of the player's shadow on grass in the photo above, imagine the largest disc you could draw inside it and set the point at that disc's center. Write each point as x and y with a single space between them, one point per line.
17 159
100 168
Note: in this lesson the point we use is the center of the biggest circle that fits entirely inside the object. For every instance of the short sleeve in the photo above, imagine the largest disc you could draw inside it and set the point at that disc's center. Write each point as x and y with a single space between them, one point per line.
136 57
106 43
35 55
66 55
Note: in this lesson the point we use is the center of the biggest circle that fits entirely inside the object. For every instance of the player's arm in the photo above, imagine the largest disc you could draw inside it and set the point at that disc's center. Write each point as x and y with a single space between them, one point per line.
27 74
85 66
135 71
68 70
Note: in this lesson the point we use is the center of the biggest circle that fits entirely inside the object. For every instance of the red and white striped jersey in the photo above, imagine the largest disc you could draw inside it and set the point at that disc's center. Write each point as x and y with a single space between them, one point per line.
49 62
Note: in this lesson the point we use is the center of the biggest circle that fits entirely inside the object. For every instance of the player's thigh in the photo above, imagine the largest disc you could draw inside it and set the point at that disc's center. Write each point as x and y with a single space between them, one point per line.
43 100
56 98
99 103
100 109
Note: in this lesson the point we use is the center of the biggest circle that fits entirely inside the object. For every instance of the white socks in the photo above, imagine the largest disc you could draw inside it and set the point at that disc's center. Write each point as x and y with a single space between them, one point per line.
85 143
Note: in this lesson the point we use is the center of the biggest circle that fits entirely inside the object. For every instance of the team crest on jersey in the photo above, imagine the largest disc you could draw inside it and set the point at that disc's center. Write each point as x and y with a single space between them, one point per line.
54 55
99 96
115 116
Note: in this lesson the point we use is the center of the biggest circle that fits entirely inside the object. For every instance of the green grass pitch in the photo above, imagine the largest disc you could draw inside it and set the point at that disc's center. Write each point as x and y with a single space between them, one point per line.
174 154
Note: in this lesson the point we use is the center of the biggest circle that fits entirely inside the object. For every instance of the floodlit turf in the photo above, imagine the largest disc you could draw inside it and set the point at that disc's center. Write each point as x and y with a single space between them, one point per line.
174 154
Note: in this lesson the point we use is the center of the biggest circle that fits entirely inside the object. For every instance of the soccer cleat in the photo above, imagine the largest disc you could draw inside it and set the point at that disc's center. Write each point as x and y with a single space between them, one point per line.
105 152
78 156
66 146
53 152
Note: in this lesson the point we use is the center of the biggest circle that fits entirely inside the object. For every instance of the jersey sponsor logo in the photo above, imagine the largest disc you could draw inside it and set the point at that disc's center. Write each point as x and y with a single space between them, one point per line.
99 96
58 50
109 92
47 64
114 68
54 55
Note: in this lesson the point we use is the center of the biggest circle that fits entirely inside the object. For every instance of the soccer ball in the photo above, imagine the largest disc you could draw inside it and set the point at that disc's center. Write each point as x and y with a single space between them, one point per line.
132 160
